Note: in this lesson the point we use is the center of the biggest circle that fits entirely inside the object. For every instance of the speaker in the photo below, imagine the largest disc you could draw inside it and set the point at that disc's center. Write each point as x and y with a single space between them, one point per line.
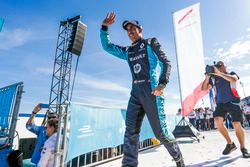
76 39
27 146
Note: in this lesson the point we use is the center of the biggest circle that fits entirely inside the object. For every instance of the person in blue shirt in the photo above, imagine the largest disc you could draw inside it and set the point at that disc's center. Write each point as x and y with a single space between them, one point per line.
150 69
40 131
227 101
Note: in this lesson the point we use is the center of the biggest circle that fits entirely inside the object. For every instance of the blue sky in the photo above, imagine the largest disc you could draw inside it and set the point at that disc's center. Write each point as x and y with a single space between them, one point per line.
28 41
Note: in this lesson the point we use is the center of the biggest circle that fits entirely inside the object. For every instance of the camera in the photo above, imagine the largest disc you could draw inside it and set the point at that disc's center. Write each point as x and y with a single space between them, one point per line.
209 69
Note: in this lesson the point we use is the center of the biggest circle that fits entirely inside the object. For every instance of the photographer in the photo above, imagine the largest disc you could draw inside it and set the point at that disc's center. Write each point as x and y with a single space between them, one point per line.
227 101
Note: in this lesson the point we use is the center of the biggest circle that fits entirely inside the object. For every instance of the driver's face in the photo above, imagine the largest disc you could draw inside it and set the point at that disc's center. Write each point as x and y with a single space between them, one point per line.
134 33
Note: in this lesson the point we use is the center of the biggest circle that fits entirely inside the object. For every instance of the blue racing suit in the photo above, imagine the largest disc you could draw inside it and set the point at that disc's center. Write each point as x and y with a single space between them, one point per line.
149 67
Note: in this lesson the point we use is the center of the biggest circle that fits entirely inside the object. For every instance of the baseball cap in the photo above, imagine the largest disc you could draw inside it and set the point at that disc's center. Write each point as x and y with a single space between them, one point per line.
134 22
219 64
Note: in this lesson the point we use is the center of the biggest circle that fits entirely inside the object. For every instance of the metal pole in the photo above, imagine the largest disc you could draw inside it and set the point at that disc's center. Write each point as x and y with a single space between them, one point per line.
64 131
58 153
177 68
60 108
58 39
85 159
242 85
17 101
78 161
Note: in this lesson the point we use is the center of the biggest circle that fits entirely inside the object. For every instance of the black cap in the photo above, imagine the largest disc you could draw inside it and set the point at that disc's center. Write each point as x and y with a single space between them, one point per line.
134 22
219 64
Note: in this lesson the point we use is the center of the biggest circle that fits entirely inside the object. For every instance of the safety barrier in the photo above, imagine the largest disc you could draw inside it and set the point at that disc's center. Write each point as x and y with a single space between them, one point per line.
10 99
105 155
102 129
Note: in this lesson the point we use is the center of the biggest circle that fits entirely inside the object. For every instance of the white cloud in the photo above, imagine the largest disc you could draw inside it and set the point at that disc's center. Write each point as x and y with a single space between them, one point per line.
237 50
246 66
171 108
225 42
220 50
176 97
101 84
244 87
19 36
240 48
240 38
231 68
248 29
14 38
206 58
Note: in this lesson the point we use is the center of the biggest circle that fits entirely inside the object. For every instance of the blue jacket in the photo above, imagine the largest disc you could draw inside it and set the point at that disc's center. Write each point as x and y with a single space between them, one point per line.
146 59
40 131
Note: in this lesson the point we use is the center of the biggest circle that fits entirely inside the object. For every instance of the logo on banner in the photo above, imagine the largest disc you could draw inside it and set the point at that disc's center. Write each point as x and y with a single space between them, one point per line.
190 11
85 131
137 68
122 128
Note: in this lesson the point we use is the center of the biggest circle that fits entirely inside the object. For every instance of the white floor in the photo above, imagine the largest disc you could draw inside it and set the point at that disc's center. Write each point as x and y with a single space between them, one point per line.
207 153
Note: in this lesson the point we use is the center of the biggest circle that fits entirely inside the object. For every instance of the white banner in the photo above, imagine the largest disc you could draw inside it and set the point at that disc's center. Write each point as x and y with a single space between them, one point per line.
189 49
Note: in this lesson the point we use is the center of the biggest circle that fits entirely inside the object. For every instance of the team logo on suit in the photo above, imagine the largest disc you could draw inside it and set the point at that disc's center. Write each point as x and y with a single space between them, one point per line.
137 68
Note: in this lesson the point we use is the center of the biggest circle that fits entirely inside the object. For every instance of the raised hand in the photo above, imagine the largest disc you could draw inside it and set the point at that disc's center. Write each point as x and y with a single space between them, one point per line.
110 19
37 108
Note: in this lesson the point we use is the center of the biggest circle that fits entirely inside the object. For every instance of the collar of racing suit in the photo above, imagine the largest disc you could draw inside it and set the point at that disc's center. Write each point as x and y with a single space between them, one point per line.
134 43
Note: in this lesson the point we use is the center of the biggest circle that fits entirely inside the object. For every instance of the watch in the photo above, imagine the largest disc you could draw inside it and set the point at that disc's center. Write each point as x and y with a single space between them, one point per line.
162 86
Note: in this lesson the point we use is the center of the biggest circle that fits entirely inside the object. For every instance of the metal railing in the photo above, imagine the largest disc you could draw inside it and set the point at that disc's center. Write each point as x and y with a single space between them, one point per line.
104 155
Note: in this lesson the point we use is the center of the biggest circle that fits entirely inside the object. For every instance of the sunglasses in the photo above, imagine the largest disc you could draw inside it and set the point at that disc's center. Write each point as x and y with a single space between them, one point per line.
52 117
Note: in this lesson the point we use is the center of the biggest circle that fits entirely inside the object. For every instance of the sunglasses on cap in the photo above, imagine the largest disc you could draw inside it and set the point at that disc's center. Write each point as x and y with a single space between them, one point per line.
219 64
50 117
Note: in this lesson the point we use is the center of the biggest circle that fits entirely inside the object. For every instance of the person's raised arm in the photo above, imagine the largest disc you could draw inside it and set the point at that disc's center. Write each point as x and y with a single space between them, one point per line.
110 19
33 114
228 77
107 45
206 83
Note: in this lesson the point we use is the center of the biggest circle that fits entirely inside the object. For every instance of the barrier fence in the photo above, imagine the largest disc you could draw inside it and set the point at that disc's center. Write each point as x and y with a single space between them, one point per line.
105 155
10 99
102 129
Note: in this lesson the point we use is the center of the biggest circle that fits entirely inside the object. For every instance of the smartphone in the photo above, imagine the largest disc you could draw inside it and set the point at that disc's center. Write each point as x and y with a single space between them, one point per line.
44 105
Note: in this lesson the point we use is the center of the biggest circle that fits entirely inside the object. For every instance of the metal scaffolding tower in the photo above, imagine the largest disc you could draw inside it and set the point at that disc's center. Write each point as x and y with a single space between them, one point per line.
60 85
69 42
